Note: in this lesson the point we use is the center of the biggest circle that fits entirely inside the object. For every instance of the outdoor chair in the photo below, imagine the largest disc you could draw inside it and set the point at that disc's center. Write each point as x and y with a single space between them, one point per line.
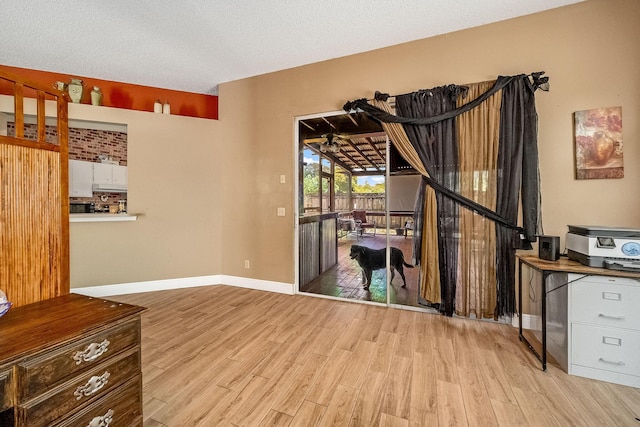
360 217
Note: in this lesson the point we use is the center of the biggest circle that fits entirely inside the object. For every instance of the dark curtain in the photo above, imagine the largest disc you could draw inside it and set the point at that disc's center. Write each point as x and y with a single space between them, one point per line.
428 118
517 175
436 146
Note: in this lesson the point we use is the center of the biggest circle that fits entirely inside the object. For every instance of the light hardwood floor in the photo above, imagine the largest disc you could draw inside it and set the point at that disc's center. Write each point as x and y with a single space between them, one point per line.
226 356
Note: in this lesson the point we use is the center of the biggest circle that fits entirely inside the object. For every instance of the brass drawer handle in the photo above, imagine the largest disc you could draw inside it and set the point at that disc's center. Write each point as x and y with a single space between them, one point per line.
94 384
92 352
102 420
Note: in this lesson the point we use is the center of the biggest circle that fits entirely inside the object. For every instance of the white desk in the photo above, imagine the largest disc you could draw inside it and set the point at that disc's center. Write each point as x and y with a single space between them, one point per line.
597 315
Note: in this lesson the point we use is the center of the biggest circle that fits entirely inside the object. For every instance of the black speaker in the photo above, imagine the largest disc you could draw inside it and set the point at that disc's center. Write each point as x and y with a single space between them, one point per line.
549 247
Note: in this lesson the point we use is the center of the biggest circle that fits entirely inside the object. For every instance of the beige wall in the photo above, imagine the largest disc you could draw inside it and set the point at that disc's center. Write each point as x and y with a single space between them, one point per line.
172 238
589 51
225 174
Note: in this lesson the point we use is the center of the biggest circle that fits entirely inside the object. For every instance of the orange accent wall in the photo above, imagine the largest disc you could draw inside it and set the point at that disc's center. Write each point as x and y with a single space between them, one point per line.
124 95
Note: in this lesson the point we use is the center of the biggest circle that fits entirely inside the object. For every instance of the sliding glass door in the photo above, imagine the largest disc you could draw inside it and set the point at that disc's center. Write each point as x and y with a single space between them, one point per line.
356 199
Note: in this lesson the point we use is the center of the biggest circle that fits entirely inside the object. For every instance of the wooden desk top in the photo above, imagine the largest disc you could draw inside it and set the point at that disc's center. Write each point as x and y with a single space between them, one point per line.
33 327
566 265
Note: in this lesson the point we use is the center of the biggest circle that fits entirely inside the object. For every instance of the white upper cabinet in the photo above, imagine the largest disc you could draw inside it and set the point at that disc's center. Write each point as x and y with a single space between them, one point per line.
111 176
102 173
80 178
119 175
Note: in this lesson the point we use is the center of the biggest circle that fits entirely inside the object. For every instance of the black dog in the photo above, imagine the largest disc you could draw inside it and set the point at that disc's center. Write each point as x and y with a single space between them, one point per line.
375 259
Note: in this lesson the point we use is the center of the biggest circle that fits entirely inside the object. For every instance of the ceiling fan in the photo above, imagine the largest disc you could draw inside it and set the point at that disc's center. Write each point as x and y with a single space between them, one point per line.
330 142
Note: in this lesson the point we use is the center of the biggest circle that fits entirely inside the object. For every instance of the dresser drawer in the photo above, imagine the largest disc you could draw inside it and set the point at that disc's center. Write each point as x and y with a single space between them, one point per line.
36 376
6 389
121 407
608 349
606 302
80 391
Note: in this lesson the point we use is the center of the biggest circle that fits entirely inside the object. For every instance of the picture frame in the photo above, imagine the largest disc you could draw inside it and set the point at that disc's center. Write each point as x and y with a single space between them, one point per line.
598 143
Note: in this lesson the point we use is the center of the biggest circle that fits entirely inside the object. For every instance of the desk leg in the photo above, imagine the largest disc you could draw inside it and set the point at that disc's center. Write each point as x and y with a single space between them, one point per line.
545 275
543 357
520 299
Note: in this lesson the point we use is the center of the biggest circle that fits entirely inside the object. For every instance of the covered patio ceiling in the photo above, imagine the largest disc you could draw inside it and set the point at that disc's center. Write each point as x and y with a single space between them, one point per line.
361 142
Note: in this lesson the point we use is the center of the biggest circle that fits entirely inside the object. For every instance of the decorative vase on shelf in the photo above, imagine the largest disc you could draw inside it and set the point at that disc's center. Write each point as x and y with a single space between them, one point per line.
75 89
157 106
96 96
166 108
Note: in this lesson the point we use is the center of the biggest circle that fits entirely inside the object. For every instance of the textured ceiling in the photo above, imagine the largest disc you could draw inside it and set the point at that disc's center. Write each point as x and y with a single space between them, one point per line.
193 45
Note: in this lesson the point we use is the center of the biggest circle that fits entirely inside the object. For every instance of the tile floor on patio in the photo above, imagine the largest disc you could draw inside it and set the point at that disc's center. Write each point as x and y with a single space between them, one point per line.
344 280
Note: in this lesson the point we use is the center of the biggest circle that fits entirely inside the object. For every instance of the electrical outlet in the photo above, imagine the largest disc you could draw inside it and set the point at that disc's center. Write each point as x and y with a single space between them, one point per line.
280 211
246 263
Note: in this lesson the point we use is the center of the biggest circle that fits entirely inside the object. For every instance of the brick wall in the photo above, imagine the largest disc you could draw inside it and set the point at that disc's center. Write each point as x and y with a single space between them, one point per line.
84 144
87 145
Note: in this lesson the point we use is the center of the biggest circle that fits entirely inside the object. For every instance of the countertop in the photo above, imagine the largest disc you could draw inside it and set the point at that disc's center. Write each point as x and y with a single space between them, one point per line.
101 217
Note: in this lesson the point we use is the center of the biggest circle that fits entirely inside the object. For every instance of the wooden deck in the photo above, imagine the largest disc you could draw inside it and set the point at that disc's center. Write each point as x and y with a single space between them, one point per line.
344 280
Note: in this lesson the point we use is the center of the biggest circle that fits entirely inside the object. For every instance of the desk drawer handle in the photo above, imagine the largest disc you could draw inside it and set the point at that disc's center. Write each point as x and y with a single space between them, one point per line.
92 352
103 420
619 363
94 384
611 316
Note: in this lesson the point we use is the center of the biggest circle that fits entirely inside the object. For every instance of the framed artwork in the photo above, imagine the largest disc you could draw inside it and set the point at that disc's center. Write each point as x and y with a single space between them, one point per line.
598 138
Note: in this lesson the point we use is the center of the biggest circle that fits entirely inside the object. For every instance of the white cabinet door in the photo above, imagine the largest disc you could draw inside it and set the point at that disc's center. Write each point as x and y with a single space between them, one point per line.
102 173
120 176
80 178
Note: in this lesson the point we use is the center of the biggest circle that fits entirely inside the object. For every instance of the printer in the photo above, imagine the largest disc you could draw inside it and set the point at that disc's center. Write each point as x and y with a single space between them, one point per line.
604 247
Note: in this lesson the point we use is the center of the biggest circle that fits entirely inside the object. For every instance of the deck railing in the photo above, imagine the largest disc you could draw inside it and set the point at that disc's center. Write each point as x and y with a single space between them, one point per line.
373 203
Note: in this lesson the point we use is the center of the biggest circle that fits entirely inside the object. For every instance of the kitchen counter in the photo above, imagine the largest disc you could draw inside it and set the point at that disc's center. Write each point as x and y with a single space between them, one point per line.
101 217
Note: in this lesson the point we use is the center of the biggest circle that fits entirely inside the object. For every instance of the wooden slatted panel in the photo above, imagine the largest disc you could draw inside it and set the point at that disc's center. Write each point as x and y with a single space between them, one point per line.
18 102
34 202
63 201
41 118
30 236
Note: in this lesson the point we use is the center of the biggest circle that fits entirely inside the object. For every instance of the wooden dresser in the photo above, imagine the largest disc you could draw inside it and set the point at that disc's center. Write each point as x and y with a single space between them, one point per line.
71 361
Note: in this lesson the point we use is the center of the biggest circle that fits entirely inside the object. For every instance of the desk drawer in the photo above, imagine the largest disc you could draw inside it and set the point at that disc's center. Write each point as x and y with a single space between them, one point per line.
606 302
608 349
611 280
122 407
38 375
80 391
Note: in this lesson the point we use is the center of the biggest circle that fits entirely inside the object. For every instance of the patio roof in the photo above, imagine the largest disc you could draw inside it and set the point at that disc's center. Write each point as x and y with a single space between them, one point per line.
361 142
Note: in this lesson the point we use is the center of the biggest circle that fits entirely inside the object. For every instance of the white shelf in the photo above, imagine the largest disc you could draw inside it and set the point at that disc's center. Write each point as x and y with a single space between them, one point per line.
96 217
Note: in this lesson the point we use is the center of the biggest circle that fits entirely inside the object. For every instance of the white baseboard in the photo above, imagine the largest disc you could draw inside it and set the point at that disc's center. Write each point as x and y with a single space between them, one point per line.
261 285
187 282
529 321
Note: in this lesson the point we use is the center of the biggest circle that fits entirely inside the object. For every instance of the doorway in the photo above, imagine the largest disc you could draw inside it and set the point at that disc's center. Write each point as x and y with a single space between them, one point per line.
346 165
